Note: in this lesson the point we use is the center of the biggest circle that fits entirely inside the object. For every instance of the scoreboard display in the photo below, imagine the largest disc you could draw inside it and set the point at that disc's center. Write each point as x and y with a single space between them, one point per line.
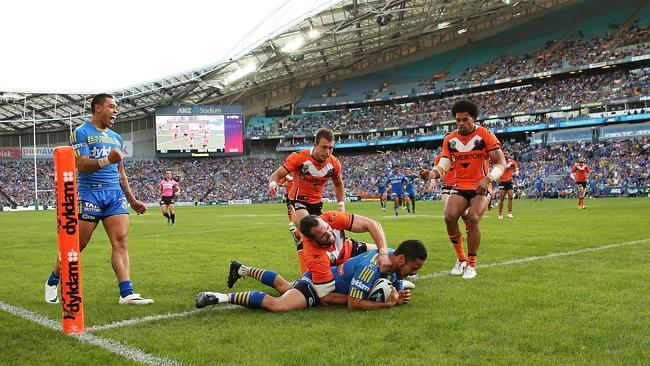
199 131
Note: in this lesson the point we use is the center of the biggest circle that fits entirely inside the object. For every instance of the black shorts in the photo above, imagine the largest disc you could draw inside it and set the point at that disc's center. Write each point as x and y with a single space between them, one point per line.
507 186
167 200
305 287
582 183
446 190
468 194
312 208
358 247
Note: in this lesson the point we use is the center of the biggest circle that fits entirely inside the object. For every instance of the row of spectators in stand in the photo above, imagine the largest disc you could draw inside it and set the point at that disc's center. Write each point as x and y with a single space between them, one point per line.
574 51
540 94
622 163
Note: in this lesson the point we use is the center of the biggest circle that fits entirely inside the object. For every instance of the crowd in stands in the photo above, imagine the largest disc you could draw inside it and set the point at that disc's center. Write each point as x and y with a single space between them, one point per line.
574 51
620 163
538 95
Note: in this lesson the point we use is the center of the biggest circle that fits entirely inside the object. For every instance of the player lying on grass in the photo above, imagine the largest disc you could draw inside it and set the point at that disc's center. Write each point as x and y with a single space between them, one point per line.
353 281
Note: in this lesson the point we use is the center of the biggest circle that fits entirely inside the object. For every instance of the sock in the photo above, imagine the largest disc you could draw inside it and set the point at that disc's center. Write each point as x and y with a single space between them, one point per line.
53 280
457 243
471 259
408 208
413 204
264 276
166 215
248 299
396 207
500 212
173 218
126 288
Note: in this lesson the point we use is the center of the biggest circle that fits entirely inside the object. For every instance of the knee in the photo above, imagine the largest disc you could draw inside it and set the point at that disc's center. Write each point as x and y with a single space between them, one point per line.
472 219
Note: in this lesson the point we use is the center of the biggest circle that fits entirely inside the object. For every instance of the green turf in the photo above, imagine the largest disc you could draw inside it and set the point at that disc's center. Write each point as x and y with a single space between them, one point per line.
586 308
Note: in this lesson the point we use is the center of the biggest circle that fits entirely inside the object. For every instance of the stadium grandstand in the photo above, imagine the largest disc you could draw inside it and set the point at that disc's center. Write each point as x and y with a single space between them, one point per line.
382 76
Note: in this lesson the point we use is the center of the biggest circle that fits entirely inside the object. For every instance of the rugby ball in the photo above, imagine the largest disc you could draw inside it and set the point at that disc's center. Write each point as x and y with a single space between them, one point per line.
381 290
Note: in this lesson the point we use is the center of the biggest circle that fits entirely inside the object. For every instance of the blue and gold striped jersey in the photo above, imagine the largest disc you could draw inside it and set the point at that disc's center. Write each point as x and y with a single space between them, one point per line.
356 276
96 144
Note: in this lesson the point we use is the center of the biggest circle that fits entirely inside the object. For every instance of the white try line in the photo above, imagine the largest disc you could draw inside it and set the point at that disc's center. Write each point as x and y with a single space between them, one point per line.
418 278
541 257
152 318
112 346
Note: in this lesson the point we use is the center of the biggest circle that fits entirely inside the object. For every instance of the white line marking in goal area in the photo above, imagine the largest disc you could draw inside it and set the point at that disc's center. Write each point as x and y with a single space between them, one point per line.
112 346
540 257
122 323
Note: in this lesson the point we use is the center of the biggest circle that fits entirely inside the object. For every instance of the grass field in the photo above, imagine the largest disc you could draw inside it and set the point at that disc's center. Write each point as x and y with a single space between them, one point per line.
556 286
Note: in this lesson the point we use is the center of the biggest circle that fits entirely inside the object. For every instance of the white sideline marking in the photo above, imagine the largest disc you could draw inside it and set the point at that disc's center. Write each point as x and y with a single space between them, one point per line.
423 277
112 346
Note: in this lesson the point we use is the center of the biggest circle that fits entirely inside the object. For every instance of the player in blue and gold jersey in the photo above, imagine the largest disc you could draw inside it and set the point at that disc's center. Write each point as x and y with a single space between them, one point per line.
104 194
353 281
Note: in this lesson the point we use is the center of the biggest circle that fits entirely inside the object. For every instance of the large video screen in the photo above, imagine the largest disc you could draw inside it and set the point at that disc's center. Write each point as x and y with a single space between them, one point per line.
199 131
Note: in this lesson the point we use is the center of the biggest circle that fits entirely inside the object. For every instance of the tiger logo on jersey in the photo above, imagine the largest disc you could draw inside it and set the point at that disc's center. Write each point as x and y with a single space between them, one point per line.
476 143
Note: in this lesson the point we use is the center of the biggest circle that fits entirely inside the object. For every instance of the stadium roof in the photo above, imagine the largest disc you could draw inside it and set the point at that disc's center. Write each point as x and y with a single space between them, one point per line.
336 35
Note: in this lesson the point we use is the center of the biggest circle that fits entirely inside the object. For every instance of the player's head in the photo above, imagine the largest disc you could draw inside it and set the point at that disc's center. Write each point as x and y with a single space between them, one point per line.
395 168
506 154
465 113
323 144
103 109
581 159
168 174
316 229
408 258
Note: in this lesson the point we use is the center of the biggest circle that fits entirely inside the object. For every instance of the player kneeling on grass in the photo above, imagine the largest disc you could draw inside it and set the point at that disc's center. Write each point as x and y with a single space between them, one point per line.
353 283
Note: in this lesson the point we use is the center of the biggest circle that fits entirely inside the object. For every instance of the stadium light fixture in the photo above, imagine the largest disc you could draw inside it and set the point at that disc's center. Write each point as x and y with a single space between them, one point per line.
443 25
238 74
293 45
461 31
313 33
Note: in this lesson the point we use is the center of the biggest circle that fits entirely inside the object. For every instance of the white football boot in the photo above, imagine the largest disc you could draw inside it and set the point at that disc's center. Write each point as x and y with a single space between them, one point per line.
470 272
51 294
459 268
134 299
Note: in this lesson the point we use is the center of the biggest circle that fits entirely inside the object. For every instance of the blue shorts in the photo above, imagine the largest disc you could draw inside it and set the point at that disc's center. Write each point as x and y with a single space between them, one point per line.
97 205
411 195
381 191
397 194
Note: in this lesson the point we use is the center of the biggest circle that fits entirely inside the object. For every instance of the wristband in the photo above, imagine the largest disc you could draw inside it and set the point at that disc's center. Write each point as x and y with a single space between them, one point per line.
341 203
273 184
104 162
383 251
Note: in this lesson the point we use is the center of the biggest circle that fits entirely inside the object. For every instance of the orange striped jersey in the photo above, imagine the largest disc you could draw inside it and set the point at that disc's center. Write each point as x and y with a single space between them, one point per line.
448 179
310 175
511 166
581 170
469 155
319 259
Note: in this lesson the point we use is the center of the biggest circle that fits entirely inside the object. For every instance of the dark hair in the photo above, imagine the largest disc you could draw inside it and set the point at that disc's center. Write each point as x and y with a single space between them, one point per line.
306 224
411 249
98 100
464 106
395 166
323 133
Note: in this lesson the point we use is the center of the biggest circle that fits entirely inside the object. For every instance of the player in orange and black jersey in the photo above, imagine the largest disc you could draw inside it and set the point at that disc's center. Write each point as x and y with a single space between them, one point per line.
311 169
580 173
469 149
506 185
287 183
